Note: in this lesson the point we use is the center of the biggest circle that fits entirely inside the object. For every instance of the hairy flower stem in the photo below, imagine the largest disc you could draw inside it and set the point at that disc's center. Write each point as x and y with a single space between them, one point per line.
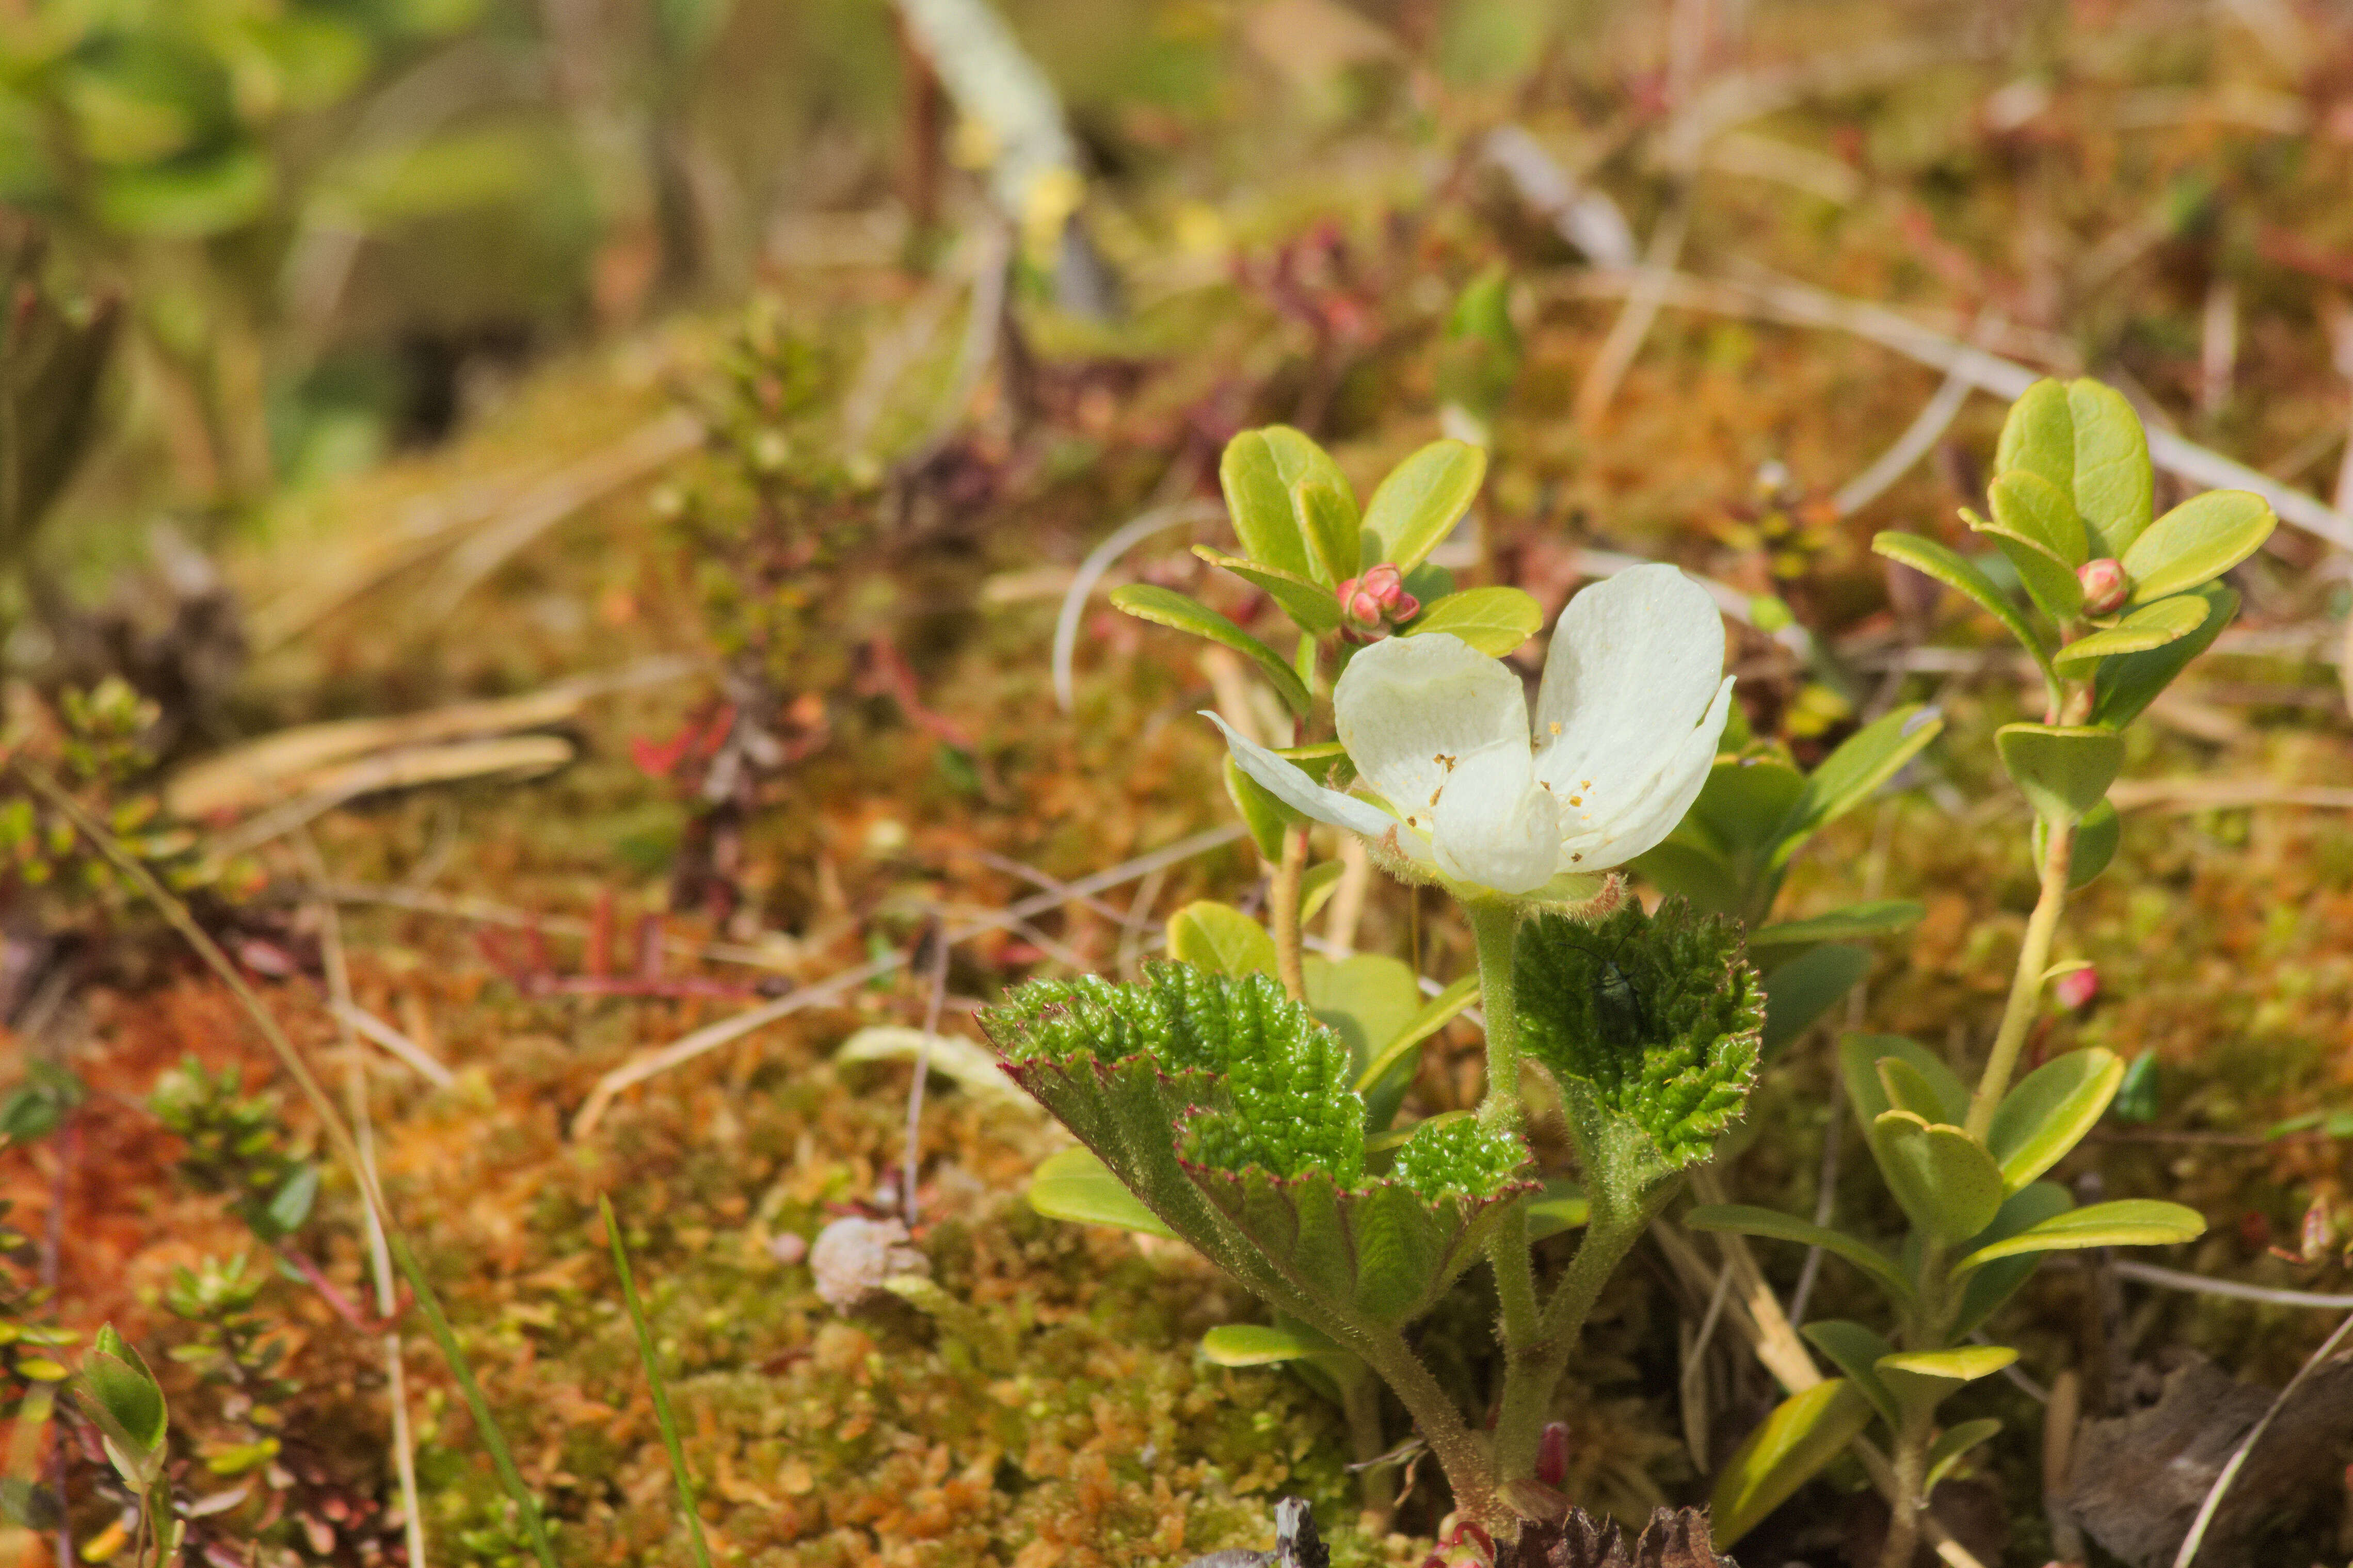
2026 985
1282 913
1495 925
1531 1376
1462 1454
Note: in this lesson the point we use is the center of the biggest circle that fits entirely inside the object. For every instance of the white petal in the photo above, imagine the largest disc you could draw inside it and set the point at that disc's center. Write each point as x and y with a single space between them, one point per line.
1656 814
1295 790
1410 708
1633 663
1496 825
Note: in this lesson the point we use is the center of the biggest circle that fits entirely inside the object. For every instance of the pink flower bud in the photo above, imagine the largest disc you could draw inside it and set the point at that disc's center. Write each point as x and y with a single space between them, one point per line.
1376 603
1552 1454
2105 584
2077 987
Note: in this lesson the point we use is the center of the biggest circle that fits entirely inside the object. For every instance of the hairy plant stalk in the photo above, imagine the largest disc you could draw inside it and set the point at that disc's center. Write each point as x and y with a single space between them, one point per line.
1462 1454
1360 1401
1903 1510
1531 1376
2026 985
1283 914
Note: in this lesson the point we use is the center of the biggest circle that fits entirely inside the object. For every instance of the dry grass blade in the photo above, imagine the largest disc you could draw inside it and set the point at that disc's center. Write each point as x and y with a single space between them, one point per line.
513 758
2214 1495
359 1020
2234 1289
339 1134
710 1038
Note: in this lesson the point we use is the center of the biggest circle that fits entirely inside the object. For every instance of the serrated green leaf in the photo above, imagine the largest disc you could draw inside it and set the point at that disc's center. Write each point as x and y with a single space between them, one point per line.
1984 1290
1326 516
1650 1025
2064 770
1800 992
2032 510
1862 762
1857 1350
1074 1184
2196 543
1957 1441
1859 1058
1418 504
2151 625
1256 473
1878 917
1950 568
1264 1344
1493 620
1224 1106
2050 1110
1773 1224
1220 939
1313 609
1787 1449
1943 1178
1167 607
1367 1000
2129 1222
2125 684
1262 815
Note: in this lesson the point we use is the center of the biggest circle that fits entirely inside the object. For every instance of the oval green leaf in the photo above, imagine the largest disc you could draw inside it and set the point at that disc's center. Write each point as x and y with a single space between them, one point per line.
1263 1344
1313 609
1957 1441
1951 568
2097 837
1075 1185
1856 1350
1423 498
1261 814
2039 435
1493 620
1944 1178
1988 1288
2064 770
1909 1089
2050 1110
2151 625
2128 683
1864 761
1167 607
1778 1227
2129 1222
1962 1364
2114 488
2032 510
1220 939
1326 516
1435 1014
1878 916
1256 473
1801 991
1859 1060
1787 1449
2197 542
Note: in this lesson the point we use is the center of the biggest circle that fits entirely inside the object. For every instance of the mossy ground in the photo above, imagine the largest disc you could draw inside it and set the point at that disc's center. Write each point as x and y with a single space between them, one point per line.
2223 937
